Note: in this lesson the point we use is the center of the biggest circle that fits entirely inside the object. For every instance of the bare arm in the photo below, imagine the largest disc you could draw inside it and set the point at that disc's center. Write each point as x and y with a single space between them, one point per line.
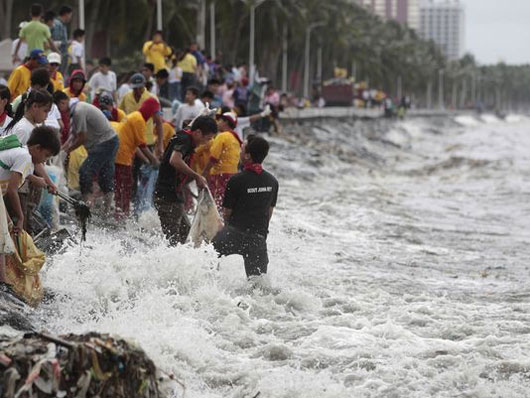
271 210
40 170
14 199
149 155
255 118
141 156
52 45
73 144
180 165
15 55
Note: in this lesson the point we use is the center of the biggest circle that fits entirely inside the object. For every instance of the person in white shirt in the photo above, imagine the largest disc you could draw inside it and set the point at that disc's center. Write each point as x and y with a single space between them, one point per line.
175 77
22 48
40 79
6 112
190 109
77 51
104 79
17 165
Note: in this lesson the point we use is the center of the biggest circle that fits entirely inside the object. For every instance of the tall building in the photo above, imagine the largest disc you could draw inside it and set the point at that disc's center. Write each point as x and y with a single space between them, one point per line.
443 21
404 11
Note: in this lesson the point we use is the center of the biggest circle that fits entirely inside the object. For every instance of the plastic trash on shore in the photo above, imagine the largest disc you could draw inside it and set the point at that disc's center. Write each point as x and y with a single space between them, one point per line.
40 365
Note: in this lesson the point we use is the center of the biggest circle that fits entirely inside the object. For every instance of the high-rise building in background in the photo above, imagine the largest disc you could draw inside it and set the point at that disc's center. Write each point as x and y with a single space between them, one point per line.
404 11
443 21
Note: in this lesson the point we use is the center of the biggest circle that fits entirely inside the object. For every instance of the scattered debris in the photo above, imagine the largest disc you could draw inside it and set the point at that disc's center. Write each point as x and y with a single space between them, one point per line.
92 365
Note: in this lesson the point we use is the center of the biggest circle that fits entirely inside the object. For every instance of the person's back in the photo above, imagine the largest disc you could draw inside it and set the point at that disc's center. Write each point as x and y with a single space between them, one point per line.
250 196
131 133
14 160
248 205
226 148
36 34
91 121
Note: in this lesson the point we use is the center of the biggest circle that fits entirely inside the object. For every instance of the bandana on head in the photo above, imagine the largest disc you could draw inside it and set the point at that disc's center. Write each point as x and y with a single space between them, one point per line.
149 107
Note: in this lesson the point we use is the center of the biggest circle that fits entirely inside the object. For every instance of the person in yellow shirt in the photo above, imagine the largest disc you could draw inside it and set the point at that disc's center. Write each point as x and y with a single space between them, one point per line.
188 64
156 51
131 133
225 151
56 77
133 100
20 79
169 132
77 83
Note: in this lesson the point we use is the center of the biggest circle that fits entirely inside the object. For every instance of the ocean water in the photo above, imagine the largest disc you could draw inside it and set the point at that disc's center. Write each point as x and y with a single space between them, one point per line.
398 268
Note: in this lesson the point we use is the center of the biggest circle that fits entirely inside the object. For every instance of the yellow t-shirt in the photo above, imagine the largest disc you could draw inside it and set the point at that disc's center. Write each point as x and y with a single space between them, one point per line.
121 116
82 96
57 81
188 64
131 133
226 148
168 131
201 157
129 105
75 161
156 54
19 81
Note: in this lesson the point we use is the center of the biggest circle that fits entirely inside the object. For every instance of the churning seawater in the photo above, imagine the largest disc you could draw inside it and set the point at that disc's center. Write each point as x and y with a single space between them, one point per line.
399 268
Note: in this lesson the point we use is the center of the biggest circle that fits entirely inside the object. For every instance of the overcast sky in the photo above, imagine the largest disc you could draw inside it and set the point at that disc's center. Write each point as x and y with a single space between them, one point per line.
498 30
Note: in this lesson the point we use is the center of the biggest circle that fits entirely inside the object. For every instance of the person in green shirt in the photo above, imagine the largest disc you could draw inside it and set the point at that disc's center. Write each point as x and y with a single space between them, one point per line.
35 33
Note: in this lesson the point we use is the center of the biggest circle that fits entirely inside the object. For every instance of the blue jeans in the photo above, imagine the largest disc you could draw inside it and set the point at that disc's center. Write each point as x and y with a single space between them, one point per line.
174 91
100 164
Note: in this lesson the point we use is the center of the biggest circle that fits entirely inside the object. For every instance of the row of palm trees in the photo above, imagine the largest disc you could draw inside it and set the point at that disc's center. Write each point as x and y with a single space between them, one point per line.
388 55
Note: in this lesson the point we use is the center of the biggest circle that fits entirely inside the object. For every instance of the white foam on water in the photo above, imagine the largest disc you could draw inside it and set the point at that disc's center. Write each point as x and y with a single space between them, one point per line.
489 119
402 278
467 120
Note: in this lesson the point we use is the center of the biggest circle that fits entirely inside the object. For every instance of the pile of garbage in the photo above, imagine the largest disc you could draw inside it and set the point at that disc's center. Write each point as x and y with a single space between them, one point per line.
92 365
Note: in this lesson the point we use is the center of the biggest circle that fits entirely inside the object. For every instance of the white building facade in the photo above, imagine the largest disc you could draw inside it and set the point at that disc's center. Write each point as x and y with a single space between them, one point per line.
443 21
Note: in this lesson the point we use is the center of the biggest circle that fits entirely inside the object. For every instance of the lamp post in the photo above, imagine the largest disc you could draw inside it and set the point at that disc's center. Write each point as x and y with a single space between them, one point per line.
82 26
251 66
158 14
307 52
212 30
284 60
82 14
441 89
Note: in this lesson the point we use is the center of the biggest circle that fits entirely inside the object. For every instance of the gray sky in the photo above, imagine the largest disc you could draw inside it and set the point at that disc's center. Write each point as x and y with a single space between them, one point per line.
498 30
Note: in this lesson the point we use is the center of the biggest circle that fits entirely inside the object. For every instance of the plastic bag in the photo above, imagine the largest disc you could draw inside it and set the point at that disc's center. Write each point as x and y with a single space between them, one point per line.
207 221
22 269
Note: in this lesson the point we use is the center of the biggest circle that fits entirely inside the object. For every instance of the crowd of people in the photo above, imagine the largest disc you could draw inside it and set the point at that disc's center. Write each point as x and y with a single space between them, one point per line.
116 149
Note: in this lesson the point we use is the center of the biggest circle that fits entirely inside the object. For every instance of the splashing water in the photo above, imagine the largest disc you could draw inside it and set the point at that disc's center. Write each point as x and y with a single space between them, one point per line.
396 271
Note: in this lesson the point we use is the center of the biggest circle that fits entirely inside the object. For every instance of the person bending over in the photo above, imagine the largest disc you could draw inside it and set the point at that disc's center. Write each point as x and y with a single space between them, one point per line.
175 172
248 205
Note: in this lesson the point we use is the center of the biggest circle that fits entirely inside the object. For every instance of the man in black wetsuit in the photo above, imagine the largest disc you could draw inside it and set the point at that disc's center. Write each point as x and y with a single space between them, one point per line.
248 204
175 172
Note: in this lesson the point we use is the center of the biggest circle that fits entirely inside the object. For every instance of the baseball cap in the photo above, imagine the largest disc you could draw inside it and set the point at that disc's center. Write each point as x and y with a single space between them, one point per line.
22 25
137 80
38 54
105 98
54 58
230 117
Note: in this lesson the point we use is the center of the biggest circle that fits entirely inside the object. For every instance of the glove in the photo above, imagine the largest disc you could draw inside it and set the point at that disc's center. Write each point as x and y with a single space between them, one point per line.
266 112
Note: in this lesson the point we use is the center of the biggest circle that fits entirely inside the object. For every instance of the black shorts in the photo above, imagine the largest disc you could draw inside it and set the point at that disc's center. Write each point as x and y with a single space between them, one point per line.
253 248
